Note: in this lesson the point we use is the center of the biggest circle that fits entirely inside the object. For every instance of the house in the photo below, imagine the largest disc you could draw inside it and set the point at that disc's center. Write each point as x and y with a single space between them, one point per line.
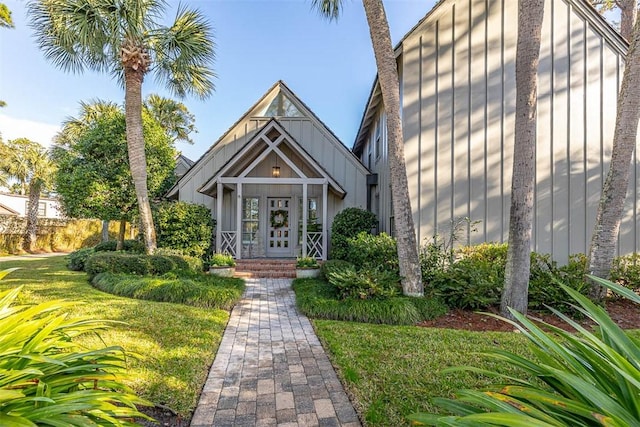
16 205
183 163
275 180
457 79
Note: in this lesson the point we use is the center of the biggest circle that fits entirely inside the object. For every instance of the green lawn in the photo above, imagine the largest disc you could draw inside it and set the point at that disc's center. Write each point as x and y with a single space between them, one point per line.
176 343
393 371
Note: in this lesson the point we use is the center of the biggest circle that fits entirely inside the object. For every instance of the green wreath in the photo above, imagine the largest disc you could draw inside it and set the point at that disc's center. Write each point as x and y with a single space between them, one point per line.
279 218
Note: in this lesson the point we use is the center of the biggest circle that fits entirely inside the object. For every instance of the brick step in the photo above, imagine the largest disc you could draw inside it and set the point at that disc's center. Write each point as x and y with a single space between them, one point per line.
264 267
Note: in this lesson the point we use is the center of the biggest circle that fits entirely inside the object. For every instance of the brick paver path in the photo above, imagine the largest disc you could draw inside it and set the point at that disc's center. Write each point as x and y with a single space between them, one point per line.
270 369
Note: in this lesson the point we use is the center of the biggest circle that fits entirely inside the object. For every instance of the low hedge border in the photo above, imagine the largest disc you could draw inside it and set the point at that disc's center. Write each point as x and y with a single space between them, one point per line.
194 290
319 300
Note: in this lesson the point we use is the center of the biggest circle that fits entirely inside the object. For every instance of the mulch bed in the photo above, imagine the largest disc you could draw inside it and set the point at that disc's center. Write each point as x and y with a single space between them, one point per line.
624 312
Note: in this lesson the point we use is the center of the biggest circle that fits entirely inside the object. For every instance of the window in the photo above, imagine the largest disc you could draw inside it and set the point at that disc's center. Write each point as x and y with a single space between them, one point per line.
392 224
250 219
281 106
312 223
370 155
42 208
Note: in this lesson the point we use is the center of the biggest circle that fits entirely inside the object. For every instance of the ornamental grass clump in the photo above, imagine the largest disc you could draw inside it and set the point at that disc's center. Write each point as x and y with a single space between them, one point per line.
47 379
587 378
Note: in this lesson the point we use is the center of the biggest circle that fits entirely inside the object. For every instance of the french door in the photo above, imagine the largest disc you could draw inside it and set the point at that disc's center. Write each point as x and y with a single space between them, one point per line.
279 227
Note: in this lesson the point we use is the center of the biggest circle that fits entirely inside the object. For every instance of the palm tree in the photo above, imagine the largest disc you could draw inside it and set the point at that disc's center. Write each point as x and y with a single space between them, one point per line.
390 88
614 191
124 38
29 163
516 282
173 116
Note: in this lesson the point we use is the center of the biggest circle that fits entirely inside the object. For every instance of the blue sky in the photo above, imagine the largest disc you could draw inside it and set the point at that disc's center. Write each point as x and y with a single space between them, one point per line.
329 65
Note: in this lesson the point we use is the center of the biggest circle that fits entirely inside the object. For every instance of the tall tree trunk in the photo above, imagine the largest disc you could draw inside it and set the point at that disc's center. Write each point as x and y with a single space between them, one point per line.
30 236
105 231
628 10
614 191
121 232
388 79
137 159
516 283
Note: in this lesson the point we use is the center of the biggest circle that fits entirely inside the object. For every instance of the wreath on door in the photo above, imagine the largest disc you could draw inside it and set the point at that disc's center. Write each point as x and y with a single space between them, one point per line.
279 218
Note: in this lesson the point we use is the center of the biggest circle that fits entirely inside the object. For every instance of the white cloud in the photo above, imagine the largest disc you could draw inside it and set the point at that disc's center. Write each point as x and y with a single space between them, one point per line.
12 128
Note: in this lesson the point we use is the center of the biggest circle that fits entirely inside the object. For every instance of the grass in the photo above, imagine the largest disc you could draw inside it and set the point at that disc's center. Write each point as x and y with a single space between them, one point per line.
393 371
318 299
198 290
176 344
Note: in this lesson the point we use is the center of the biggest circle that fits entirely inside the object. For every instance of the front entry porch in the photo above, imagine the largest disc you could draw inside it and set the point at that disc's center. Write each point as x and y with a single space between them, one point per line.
274 227
272 200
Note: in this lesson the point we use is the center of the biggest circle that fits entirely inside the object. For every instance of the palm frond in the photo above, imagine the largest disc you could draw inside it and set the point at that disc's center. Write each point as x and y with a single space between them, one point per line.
184 54
330 9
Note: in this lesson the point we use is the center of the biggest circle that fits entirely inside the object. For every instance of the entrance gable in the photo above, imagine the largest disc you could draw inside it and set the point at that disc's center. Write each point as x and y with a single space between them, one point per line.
272 143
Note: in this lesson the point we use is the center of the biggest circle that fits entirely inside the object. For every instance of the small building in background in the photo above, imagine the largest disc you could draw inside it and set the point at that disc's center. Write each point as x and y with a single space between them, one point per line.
16 205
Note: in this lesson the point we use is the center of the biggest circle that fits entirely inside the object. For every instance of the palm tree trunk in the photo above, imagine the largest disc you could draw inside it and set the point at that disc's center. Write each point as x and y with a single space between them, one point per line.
516 282
30 236
388 79
614 191
137 159
628 10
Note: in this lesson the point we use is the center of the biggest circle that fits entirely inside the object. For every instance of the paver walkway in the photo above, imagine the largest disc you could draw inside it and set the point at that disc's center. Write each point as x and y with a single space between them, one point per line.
270 369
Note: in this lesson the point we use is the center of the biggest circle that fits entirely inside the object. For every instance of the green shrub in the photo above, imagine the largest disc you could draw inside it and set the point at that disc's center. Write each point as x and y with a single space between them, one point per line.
118 262
433 260
49 380
335 265
307 262
475 280
365 283
318 299
587 378
625 270
197 290
183 226
545 275
346 224
134 246
183 262
77 259
222 260
370 252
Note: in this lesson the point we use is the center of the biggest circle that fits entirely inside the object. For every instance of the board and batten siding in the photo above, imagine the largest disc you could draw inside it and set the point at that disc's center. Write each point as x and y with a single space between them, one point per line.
331 155
457 72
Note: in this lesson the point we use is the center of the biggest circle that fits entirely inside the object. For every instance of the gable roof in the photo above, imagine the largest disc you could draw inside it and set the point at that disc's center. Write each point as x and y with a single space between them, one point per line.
250 148
581 7
6 210
269 95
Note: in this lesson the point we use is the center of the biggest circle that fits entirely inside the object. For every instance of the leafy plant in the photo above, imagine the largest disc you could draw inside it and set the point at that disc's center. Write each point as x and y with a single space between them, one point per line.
625 270
346 224
77 259
222 260
545 276
369 252
47 379
183 226
335 265
307 262
365 283
590 378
